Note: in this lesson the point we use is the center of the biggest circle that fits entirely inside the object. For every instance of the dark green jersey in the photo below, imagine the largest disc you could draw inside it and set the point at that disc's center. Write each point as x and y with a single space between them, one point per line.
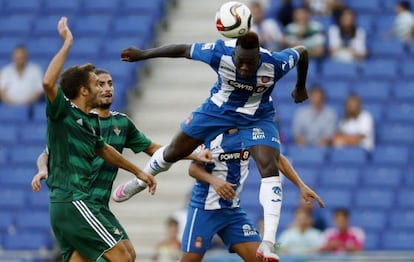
72 140
120 132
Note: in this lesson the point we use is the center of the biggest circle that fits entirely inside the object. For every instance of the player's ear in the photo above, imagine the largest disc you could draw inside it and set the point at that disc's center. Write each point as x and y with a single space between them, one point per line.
83 91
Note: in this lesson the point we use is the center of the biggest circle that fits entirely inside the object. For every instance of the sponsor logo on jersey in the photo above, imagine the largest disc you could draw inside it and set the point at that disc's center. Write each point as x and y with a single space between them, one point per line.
198 243
248 231
243 155
278 192
117 130
247 87
258 133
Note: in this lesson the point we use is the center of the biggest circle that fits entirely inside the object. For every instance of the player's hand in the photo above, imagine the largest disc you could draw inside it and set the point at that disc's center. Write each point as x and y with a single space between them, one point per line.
299 95
36 181
224 189
308 195
204 156
64 30
131 54
150 181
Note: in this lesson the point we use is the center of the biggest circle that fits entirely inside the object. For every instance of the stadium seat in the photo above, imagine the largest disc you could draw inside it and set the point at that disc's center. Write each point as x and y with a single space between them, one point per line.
33 133
380 68
402 219
336 91
43 47
9 135
22 6
155 7
25 155
290 198
92 25
141 26
286 219
396 133
39 113
371 6
13 114
6 222
336 197
105 7
285 112
112 49
45 26
404 90
39 200
382 176
408 177
33 221
337 70
348 155
282 93
400 112
372 240
4 156
369 219
307 155
339 176
28 241
398 240
16 25
366 22
61 7
391 155
405 198
406 68
376 109
85 47
387 48
310 175
16 177
382 198
372 91
12 199
7 45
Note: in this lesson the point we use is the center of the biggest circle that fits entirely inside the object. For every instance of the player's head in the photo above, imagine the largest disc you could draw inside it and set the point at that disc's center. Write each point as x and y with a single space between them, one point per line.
107 88
247 54
81 81
402 6
341 219
20 56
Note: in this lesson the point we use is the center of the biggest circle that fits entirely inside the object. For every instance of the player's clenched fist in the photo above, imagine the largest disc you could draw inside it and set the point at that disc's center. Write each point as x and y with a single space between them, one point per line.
131 54
64 30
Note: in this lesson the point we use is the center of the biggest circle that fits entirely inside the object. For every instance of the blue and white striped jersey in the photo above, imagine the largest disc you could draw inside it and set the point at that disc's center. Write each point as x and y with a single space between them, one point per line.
251 96
231 162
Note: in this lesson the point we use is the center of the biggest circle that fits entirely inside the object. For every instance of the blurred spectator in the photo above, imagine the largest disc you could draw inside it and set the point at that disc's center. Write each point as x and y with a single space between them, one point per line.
180 215
314 124
20 81
331 8
347 40
301 238
305 32
404 22
356 127
343 238
267 29
318 220
284 14
169 249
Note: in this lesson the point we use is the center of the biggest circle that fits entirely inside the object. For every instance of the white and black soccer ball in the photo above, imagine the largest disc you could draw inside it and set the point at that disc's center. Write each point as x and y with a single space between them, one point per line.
233 19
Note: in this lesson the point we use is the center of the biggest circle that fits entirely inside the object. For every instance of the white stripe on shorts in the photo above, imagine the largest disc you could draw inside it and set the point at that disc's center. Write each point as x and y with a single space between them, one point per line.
95 223
190 235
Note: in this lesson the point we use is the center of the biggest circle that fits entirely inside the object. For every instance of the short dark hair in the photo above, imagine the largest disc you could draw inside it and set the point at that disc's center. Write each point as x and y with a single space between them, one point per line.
100 71
248 41
74 77
341 211
405 4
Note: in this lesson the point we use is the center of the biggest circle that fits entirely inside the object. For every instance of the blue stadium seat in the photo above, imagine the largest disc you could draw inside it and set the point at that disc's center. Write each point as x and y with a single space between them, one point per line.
400 112
28 241
405 198
286 219
43 47
33 133
371 6
382 198
112 49
387 48
93 7
336 197
45 26
6 222
39 113
155 7
391 155
13 114
61 7
348 155
16 177
382 176
402 219
33 221
373 91
22 7
369 219
39 200
285 112
308 174
376 109
4 156
9 134
408 177
380 68
407 66
283 91
12 199
16 25
25 155
338 70
336 91
339 176
85 47
366 22
307 155
138 26
291 198
372 240
7 45
404 90
396 133
93 25
398 240
385 23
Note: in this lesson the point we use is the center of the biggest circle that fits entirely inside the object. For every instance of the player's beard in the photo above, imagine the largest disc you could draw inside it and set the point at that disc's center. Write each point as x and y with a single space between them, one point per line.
104 105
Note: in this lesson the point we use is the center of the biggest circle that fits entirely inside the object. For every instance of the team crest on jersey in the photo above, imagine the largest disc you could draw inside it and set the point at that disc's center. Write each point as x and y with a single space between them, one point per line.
117 130
116 231
198 243
258 133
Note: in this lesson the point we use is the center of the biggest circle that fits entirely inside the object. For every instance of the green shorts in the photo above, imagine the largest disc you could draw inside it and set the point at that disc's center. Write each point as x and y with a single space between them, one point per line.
80 225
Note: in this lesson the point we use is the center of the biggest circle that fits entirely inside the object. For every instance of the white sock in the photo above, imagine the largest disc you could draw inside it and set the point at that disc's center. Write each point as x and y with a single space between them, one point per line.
271 199
157 164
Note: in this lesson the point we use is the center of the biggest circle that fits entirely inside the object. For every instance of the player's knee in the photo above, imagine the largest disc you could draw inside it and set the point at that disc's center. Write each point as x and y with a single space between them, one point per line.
268 167
191 257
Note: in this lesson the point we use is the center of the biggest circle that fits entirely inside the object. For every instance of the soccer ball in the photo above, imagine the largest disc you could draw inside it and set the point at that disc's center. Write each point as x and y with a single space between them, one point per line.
233 19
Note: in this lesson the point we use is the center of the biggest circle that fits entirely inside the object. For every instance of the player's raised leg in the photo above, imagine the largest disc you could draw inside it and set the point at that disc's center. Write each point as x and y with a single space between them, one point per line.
247 251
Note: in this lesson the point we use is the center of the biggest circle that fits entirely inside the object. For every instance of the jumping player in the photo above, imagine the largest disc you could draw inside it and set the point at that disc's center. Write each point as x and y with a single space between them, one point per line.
240 98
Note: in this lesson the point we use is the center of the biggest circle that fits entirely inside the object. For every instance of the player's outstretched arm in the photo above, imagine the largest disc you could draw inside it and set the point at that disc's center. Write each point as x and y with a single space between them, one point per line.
55 66
307 194
110 155
223 188
299 94
133 54
42 171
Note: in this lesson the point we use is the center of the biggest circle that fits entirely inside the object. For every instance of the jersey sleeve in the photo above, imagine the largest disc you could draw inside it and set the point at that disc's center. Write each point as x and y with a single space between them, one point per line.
203 52
58 108
136 140
285 61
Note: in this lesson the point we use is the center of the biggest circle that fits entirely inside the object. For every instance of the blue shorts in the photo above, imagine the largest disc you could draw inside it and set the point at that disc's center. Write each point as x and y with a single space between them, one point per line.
208 121
231 224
